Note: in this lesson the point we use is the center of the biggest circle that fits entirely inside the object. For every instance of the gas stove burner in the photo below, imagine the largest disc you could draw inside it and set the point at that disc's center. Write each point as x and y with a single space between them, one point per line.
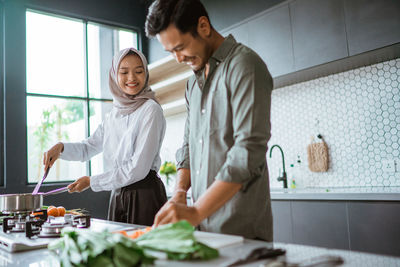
32 228
19 227
51 229
18 222
13 224
77 221
11 221
37 224
82 221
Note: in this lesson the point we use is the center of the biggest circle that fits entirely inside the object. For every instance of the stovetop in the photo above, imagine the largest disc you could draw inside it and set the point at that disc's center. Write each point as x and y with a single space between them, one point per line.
21 232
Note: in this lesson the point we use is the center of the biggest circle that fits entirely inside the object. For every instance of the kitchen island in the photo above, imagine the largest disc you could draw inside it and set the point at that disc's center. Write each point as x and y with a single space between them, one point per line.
295 254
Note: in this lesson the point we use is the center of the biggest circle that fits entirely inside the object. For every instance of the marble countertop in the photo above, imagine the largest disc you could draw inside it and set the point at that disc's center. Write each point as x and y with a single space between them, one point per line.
337 193
294 254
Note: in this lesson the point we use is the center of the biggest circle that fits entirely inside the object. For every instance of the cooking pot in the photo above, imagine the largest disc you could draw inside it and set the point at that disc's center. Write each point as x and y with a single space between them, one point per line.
20 202
25 202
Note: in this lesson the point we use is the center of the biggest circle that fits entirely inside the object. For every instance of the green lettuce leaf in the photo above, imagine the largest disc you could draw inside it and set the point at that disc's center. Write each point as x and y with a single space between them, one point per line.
178 241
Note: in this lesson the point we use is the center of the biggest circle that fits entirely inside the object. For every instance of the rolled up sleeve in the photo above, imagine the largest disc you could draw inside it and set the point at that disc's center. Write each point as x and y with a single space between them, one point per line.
250 101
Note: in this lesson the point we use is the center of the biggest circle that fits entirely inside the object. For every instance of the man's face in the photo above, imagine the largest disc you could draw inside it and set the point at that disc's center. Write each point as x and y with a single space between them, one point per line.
185 48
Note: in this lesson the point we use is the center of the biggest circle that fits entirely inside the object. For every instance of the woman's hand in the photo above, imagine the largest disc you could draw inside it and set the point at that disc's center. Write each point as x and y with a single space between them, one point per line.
52 155
79 185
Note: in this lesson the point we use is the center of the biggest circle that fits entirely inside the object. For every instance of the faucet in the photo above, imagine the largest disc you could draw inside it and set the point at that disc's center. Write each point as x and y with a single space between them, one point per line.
284 176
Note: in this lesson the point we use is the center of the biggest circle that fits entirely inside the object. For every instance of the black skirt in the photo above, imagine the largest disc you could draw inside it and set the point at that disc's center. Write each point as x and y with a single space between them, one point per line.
138 203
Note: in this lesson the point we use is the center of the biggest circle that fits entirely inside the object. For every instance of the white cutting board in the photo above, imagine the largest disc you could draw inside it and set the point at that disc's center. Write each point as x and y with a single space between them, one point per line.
212 239
217 240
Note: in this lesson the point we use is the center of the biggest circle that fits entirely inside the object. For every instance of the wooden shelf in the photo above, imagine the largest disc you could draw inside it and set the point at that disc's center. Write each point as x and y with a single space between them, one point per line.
168 80
165 68
173 83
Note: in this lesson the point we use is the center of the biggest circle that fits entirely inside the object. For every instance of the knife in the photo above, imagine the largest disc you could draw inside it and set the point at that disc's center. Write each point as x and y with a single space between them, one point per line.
255 254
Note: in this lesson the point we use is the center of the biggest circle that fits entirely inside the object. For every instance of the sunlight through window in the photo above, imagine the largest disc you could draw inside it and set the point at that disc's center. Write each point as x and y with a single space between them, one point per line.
67 66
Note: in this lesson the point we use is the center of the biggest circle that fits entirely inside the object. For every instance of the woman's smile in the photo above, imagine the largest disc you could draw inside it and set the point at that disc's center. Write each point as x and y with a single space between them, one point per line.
132 85
131 75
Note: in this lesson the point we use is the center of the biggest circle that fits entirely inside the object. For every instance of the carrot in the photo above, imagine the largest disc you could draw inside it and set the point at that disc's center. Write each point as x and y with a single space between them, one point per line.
139 232
135 233
122 232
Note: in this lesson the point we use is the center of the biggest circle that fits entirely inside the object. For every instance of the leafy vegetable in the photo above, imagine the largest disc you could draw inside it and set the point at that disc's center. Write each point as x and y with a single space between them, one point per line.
178 241
82 247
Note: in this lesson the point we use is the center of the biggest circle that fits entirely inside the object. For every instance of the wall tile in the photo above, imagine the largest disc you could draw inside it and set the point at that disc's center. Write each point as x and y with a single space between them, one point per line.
359 117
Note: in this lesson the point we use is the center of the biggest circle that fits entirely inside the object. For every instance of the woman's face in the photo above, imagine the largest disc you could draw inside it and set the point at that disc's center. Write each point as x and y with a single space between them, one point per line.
131 74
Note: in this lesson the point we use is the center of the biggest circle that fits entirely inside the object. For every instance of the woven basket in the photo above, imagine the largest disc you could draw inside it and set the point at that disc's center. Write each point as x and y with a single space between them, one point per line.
318 157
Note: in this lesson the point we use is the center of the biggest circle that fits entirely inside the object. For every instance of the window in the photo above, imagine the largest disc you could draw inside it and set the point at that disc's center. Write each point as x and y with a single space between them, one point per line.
1 97
67 93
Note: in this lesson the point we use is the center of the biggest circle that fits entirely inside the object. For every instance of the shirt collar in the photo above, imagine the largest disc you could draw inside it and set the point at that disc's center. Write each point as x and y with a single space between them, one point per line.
220 54
223 50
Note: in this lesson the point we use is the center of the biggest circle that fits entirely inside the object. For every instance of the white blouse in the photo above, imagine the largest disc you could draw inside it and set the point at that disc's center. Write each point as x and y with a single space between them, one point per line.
130 144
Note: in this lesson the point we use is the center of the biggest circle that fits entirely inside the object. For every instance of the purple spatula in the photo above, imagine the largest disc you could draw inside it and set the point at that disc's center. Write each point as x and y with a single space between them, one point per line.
36 190
55 191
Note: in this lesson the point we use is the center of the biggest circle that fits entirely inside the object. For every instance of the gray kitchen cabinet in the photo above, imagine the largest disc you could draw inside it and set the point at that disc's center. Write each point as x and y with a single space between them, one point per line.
282 219
270 36
371 24
368 226
375 227
320 224
319 34
240 32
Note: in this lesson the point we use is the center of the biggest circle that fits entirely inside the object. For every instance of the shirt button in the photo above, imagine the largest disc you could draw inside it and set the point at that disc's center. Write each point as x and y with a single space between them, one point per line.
197 172
200 141
203 111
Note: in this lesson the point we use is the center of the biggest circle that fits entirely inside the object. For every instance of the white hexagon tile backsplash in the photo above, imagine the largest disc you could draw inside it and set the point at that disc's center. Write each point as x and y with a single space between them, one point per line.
358 114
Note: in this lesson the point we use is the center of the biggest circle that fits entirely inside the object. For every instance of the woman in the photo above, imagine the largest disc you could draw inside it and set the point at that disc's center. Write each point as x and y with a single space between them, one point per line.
130 138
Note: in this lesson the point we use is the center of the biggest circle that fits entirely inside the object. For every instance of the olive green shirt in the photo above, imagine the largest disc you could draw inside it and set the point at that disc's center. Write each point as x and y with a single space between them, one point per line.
226 135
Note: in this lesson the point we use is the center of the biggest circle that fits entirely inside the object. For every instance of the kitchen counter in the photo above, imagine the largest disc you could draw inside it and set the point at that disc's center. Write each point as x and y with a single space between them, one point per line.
295 253
337 193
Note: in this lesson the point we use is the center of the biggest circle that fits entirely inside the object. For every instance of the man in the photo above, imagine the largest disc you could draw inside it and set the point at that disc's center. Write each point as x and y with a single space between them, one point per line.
223 157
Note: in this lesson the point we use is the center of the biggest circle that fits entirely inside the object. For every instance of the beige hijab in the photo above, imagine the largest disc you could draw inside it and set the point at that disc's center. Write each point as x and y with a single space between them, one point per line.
124 103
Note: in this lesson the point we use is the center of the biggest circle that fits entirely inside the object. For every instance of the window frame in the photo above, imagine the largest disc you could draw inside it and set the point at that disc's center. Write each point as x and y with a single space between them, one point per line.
86 99
14 103
2 178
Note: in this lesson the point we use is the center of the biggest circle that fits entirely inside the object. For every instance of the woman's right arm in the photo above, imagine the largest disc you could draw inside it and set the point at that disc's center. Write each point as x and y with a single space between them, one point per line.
80 151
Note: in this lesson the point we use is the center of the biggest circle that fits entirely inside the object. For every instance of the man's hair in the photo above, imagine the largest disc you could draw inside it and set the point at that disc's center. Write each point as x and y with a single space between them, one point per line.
184 14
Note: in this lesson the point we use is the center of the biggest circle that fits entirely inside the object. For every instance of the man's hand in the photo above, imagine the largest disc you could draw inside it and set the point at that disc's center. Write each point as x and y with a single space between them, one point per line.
173 212
214 198
179 197
79 185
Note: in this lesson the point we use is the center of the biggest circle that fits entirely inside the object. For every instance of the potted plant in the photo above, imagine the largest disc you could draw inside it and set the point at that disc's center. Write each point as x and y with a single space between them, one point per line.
168 168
